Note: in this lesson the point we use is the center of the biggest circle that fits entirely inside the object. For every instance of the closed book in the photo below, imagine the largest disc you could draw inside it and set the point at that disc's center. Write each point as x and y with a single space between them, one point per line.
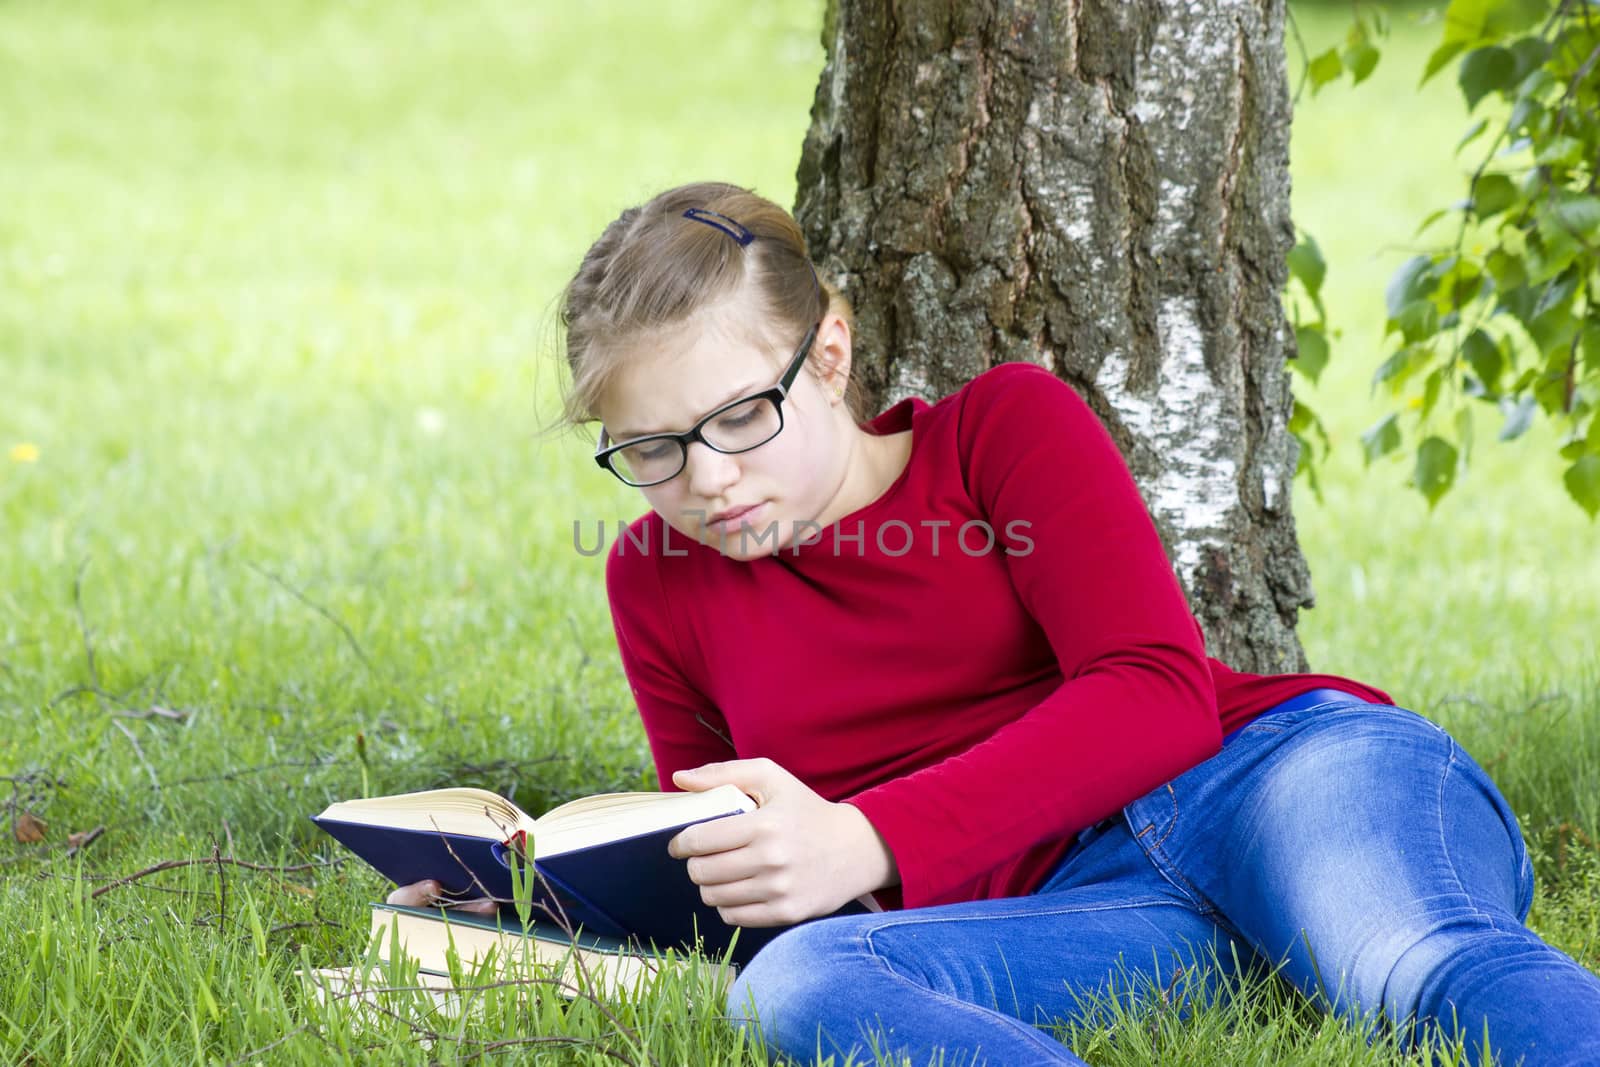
602 966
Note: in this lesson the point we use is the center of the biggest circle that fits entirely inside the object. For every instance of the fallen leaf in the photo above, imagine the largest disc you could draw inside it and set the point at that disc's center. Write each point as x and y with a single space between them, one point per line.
28 828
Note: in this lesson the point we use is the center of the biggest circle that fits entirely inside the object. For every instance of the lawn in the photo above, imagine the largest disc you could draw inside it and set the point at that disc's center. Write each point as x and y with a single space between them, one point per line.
276 292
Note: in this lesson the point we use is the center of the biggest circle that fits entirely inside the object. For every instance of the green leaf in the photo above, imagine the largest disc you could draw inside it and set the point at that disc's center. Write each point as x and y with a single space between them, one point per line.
1553 330
1417 321
1458 287
1472 134
1492 194
1464 19
1530 53
1560 152
1534 85
1582 480
1361 60
1381 439
1402 365
1430 390
1324 69
1521 144
1502 18
1464 432
1307 264
1557 291
1441 57
1483 356
1436 468
1519 412
1410 282
1574 47
1313 354
1551 388
1304 422
1525 114
1486 70
1432 218
1568 224
1507 270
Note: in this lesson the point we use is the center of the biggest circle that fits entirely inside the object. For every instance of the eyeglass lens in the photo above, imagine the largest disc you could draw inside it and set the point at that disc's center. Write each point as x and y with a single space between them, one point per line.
738 429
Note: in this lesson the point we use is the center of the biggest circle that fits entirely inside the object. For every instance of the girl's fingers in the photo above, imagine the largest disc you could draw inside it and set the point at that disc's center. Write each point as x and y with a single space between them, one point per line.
733 894
416 895
720 867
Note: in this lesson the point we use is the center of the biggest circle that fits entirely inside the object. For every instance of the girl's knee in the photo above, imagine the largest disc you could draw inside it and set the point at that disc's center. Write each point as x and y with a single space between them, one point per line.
787 991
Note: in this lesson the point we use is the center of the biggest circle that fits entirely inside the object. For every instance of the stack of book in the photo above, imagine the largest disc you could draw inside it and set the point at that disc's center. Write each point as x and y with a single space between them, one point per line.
442 942
452 955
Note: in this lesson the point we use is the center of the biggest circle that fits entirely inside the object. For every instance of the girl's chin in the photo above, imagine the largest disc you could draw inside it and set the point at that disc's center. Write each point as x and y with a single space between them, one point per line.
750 535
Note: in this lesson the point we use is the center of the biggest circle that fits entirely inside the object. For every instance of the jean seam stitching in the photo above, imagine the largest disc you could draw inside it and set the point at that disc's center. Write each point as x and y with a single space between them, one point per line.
1138 902
1444 842
950 999
1167 867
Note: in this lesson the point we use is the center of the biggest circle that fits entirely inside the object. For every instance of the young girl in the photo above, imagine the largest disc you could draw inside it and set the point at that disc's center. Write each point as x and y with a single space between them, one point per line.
946 654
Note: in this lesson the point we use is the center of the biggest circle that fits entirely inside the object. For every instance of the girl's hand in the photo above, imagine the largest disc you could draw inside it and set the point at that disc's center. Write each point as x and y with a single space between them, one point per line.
795 857
430 894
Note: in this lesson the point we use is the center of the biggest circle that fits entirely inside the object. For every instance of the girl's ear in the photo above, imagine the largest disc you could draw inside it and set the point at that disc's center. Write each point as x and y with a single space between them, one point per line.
830 357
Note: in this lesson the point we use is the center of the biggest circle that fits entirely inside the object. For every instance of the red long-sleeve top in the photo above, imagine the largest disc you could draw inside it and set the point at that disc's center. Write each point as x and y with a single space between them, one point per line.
980 703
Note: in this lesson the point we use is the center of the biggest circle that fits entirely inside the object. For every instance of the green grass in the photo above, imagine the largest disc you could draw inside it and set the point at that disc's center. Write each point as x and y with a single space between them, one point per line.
275 311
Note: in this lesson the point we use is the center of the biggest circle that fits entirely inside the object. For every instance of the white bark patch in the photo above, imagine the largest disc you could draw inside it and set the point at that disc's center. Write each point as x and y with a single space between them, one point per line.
1277 443
909 380
1182 420
1067 207
836 84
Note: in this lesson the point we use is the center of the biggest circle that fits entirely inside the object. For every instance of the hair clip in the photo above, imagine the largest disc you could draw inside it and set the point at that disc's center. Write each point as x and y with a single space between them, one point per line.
722 222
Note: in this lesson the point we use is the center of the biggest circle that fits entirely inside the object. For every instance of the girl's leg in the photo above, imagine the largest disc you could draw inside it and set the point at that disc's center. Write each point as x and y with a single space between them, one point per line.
968 983
1364 849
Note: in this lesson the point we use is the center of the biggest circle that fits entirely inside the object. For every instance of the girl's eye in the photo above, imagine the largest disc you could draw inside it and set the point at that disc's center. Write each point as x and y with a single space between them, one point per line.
650 453
737 422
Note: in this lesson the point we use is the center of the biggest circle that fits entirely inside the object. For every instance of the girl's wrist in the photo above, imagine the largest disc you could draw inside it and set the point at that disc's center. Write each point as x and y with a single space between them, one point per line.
870 853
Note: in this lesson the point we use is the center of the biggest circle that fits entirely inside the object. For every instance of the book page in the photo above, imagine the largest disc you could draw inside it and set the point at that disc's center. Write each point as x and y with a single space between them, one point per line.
612 816
467 811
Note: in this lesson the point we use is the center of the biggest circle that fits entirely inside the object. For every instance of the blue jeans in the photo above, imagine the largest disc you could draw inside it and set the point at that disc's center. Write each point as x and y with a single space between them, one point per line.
1354 848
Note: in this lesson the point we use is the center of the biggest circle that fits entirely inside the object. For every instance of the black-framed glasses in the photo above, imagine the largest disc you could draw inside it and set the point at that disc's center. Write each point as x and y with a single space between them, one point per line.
737 426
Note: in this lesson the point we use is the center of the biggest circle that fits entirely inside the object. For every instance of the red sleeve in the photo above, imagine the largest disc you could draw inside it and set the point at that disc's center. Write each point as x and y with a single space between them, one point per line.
684 728
1137 705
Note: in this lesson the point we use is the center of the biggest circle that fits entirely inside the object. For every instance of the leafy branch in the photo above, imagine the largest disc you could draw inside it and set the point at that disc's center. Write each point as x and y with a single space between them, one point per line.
1502 313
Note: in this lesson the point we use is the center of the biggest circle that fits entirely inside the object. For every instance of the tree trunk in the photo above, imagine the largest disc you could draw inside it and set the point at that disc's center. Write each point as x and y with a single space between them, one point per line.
1100 187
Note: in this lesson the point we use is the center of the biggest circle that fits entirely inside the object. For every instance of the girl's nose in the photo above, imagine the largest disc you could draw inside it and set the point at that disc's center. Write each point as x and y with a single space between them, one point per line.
710 472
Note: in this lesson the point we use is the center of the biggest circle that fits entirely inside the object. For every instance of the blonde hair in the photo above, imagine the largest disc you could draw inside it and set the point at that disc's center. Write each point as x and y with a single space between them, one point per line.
653 269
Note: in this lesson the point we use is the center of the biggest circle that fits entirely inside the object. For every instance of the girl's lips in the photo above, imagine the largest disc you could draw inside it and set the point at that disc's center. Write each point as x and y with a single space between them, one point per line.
738 518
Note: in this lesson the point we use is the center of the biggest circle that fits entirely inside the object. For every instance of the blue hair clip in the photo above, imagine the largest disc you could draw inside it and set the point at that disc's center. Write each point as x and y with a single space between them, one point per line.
722 222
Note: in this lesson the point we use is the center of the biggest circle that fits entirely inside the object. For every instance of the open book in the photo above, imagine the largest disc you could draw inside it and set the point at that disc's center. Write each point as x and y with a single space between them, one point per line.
602 860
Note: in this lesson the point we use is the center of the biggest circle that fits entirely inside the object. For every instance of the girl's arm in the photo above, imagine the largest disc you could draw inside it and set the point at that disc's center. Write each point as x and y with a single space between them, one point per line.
1136 707
684 727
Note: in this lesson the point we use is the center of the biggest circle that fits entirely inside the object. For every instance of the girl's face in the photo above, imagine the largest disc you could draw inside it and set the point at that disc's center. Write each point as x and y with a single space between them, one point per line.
668 382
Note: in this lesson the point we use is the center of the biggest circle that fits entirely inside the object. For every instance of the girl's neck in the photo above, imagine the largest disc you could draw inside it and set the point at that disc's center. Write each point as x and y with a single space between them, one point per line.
876 461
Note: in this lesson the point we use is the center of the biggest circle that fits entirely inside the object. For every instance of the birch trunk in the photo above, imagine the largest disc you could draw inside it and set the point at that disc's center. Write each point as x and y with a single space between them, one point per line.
1100 187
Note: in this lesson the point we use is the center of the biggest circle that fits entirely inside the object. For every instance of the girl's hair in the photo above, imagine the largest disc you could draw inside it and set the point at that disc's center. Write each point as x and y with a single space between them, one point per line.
653 268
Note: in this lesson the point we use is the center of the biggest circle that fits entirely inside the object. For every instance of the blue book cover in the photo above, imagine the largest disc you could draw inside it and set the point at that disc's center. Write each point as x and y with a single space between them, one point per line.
627 888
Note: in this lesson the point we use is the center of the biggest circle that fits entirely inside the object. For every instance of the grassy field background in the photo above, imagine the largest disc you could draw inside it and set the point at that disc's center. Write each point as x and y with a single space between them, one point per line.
276 285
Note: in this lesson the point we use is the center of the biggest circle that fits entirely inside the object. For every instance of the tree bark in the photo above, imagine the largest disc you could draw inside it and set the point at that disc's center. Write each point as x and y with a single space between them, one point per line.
1100 187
